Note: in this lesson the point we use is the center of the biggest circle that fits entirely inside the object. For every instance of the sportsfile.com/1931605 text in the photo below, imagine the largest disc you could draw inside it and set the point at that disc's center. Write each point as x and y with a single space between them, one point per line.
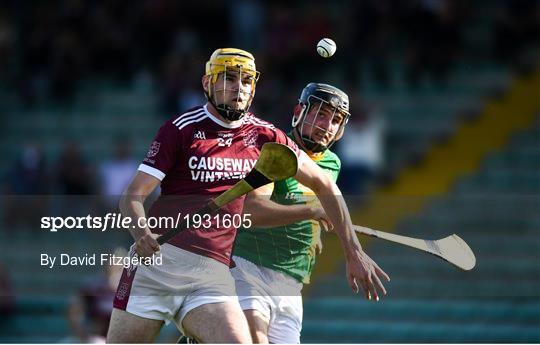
117 221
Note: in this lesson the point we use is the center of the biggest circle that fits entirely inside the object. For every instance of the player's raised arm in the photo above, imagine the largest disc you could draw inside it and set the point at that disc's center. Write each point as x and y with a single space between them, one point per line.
361 269
266 213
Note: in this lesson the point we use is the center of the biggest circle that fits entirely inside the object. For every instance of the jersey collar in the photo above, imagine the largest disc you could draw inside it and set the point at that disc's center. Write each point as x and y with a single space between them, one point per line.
315 156
234 124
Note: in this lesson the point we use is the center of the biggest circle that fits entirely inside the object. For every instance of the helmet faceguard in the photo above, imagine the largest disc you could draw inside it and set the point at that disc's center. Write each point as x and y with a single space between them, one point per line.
233 69
324 98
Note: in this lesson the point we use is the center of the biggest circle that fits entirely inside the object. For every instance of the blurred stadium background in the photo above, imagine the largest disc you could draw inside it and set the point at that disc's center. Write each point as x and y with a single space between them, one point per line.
444 138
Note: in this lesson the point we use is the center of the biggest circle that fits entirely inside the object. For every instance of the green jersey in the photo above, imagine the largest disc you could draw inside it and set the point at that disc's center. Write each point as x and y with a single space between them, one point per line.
290 248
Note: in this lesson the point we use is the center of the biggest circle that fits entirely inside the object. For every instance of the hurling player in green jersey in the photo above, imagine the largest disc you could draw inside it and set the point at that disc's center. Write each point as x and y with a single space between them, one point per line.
276 257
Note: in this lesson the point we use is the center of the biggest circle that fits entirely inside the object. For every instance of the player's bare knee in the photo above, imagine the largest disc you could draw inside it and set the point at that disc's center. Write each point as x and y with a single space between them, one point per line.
229 324
125 327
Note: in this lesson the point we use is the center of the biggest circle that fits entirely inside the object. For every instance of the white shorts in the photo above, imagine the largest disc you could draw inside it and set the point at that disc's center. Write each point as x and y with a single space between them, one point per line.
169 291
275 295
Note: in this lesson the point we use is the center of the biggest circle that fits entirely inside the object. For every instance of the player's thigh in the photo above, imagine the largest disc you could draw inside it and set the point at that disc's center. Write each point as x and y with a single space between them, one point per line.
125 327
222 322
258 326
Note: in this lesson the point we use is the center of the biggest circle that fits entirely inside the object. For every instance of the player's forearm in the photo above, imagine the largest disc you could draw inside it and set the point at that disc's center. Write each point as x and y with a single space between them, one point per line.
266 213
336 209
333 203
132 206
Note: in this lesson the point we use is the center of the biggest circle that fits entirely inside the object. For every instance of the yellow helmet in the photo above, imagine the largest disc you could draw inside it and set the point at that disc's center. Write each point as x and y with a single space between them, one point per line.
235 60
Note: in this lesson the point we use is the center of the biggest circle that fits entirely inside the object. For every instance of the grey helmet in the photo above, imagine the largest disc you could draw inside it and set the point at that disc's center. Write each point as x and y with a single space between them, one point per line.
320 94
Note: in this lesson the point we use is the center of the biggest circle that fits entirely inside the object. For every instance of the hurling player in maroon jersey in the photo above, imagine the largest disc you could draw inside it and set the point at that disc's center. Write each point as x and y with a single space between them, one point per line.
195 157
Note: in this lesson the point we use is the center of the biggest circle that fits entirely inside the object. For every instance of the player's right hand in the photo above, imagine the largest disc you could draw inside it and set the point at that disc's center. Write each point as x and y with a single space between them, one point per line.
147 245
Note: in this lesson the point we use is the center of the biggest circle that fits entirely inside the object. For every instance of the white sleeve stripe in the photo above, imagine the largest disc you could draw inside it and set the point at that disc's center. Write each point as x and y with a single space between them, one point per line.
182 119
152 171
251 121
186 114
187 118
184 124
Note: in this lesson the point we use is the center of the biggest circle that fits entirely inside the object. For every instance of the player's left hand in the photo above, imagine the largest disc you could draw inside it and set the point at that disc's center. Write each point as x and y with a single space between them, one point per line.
320 215
361 269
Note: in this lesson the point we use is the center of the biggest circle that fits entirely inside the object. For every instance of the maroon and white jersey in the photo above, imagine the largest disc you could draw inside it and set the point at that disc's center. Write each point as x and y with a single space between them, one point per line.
197 157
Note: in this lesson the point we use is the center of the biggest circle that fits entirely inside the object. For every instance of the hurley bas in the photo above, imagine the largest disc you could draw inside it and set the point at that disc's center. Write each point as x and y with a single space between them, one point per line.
103 259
